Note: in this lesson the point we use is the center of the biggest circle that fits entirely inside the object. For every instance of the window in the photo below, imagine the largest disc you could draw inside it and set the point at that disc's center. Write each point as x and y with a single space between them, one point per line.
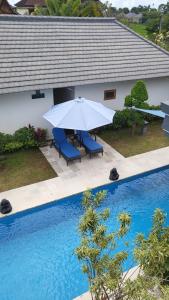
38 94
110 94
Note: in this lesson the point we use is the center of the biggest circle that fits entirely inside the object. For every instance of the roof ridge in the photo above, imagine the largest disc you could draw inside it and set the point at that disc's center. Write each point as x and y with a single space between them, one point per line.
141 37
53 18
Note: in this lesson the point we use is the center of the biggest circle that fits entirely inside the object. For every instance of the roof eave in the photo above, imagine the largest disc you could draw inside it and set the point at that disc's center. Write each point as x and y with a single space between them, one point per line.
79 83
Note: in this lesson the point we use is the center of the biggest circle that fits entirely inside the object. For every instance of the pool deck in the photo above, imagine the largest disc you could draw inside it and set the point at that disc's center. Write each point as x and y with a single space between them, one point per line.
77 177
131 274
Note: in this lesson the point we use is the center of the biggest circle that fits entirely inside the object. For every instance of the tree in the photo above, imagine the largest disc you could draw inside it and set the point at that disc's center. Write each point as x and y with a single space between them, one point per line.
152 253
153 24
77 8
60 8
128 101
165 23
164 8
92 8
103 265
97 246
139 93
125 10
135 10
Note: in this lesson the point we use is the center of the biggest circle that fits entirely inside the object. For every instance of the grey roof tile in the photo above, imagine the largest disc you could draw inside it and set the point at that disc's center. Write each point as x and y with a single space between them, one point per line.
46 52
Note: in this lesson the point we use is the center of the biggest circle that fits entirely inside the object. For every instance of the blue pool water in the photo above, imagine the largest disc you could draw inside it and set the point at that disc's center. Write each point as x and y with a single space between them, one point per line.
37 260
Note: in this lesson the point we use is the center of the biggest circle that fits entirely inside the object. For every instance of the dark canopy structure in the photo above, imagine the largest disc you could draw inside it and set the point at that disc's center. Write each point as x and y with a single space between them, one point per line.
165 109
163 113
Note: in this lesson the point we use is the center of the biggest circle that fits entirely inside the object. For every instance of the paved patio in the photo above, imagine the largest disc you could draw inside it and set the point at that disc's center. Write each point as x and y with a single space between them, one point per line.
77 177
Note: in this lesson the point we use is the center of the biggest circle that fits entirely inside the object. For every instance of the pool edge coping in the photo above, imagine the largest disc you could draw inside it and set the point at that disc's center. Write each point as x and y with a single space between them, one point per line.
117 182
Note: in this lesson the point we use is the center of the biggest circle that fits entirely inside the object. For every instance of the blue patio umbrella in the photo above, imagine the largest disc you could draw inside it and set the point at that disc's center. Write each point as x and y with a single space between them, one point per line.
79 114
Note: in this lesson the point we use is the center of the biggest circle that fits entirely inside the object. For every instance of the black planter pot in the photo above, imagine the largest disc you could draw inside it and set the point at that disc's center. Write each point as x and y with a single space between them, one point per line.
114 174
5 207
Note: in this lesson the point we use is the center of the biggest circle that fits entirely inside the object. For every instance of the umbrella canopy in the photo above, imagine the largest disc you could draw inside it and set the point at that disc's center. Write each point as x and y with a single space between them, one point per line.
79 114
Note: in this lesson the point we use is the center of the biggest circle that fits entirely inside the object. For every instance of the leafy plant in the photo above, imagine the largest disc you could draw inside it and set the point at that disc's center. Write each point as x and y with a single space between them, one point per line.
40 136
13 146
4 139
128 101
138 95
96 250
77 8
103 264
128 118
26 136
152 253
119 120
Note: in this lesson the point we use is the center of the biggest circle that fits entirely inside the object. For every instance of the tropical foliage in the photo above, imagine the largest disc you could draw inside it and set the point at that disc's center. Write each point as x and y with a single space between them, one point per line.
103 264
152 253
77 8
138 95
23 138
97 246
127 118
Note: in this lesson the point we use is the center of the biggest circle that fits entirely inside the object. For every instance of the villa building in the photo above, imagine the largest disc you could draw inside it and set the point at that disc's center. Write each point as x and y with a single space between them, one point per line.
48 60
26 7
133 17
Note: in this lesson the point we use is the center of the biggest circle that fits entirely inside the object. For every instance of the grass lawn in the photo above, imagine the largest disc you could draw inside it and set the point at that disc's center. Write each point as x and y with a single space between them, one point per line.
139 28
128 145
22 168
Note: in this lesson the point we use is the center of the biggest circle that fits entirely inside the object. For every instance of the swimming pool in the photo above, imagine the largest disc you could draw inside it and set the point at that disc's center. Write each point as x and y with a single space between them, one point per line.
37 260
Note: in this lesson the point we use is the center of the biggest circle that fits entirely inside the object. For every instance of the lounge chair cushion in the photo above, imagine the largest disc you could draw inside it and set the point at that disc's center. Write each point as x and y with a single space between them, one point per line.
91 145
88 142
63 146
69 151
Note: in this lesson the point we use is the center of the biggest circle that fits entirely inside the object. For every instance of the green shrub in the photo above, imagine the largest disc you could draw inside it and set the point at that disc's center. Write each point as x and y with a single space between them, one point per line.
119 120
127 118
152 251
139 93
40 136
13 146
138 96
4 139
128 101
26 136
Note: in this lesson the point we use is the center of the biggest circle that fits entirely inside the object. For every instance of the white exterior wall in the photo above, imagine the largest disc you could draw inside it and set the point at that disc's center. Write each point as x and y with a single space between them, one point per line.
19 109
158 90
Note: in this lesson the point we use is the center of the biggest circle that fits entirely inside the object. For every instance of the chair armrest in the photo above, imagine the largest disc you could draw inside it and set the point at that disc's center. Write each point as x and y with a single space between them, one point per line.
94 136
52 143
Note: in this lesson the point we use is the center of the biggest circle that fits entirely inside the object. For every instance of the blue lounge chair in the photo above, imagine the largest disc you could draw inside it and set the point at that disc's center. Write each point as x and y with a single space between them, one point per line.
64 148
90 145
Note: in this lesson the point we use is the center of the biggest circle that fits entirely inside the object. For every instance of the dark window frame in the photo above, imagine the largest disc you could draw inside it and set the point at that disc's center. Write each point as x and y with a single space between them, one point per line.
110 97
38 95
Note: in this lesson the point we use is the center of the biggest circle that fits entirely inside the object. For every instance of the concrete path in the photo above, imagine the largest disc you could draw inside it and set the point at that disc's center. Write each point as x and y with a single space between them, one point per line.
77 177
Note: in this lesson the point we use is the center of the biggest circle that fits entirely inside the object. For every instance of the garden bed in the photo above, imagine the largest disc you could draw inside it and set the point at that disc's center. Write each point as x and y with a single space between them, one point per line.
22 168
129 145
